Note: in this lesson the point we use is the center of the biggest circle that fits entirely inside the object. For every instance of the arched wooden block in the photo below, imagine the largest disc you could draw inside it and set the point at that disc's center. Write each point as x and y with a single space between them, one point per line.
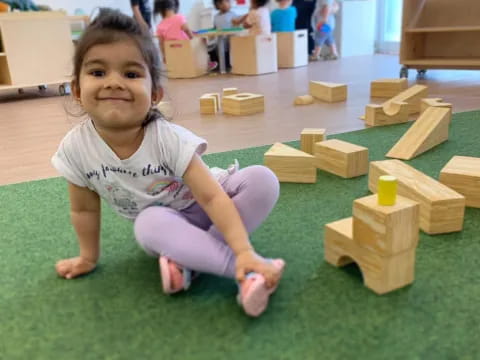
380 115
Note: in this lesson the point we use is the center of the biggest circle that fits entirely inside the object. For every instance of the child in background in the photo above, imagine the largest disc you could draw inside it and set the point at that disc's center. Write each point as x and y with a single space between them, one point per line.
150 171
323 24
223 20
257 21
283 18
173 26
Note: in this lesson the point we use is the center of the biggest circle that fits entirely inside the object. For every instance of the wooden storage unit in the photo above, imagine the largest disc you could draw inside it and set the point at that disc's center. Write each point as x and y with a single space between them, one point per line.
440 34
35 50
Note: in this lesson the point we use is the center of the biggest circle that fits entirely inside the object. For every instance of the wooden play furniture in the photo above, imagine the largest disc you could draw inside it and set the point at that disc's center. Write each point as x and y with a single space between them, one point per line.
35 50
341 158
292 49
254 55
186 58
440 34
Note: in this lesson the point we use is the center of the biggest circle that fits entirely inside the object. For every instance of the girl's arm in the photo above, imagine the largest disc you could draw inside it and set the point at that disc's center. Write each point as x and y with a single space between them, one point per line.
187 31
85 217
224 215
138 16
162 48
239 20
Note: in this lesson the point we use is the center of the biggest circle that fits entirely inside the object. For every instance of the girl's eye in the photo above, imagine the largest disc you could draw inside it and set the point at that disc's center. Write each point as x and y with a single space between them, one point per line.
97 73
132 75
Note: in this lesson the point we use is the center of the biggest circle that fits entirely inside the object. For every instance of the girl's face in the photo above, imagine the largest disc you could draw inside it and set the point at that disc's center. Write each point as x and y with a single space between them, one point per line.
115 86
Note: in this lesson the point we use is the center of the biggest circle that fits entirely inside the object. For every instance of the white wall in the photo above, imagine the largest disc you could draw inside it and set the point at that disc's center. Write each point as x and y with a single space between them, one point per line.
86 5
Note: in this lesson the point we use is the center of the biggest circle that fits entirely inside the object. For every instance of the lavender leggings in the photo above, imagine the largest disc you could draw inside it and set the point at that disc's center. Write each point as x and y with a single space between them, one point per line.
188 236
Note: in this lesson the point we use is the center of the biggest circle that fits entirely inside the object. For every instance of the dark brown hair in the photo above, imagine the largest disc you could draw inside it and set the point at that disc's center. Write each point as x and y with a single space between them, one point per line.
162 6
111 26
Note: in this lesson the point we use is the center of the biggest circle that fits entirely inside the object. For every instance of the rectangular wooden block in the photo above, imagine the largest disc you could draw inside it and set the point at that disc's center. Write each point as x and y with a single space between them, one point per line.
290 164
328 92
309 137
386 230
210 103
441 208
462 174
243 104
387 88
229 91
341 158
381 274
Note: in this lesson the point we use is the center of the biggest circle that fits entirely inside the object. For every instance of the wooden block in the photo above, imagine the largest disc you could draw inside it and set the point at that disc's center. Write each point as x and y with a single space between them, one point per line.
253 55
435 102
382 274
309 137
387 88
462 174
209 103
378 115
243 104
328 92
230 91
430 129
441 208
304 100
386 230
412 96
290 164
341 158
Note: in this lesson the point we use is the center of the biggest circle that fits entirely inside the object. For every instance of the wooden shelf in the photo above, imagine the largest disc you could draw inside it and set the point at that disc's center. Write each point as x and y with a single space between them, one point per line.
447 62
432 29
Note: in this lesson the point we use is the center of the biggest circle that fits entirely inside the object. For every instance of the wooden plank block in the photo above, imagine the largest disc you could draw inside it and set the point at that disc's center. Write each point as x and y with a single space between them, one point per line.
341 158
328 92
435 102
462 174
210 103
381 274
378 115
387 88
290 164
303 100
243 104
441 208
386 230
412 96
230 91
309 137
430 129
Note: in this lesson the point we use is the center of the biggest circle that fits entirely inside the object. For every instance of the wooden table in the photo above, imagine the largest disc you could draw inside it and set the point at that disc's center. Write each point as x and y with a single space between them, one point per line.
221 36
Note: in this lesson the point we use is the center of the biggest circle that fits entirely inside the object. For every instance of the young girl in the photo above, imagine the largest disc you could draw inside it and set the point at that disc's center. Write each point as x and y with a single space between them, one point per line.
323 24
173 26
151 172
257 21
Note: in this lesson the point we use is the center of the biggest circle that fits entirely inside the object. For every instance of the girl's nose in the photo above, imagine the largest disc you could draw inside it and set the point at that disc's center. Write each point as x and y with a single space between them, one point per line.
113 81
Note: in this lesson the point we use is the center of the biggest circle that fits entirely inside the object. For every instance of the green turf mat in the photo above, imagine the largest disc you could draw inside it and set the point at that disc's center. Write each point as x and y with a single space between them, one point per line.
318 312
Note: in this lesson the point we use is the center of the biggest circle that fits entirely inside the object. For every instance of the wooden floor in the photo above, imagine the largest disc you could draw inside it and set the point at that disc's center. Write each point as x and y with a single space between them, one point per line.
32 124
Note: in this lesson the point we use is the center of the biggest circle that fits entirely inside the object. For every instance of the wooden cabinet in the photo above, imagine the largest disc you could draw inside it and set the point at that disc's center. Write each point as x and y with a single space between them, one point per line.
35 49
440 34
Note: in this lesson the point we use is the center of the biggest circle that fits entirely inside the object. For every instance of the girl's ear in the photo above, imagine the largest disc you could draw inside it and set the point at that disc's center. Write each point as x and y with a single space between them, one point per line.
75 89
157 96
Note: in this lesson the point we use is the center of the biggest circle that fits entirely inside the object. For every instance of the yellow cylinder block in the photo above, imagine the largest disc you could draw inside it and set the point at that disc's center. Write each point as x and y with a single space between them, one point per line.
387 190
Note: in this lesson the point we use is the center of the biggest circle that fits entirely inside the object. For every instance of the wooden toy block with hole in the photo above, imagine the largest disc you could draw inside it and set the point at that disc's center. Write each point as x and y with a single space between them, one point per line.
394 113
243 104
328 92
435 102
341 158
309 137
290 164
387 88
210 103
230 91
304 100
430 130
441 208
412 96
462 174
381 240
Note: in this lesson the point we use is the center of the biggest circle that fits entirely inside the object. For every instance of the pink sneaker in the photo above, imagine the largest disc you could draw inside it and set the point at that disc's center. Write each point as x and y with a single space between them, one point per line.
253 295
212 65
174 277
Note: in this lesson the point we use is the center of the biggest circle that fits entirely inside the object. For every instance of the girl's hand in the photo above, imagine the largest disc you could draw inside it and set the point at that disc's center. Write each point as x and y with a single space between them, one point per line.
249 261
73 267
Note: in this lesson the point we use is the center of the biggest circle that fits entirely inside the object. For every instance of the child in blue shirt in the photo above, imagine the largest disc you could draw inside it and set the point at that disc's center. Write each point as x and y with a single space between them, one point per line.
283 18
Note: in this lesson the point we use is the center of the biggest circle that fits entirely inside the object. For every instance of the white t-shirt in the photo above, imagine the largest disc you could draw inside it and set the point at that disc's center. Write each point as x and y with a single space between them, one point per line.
151 176
260 20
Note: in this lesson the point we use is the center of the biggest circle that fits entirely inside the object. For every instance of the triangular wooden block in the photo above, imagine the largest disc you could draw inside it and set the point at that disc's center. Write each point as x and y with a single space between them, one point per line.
290 164
428 131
